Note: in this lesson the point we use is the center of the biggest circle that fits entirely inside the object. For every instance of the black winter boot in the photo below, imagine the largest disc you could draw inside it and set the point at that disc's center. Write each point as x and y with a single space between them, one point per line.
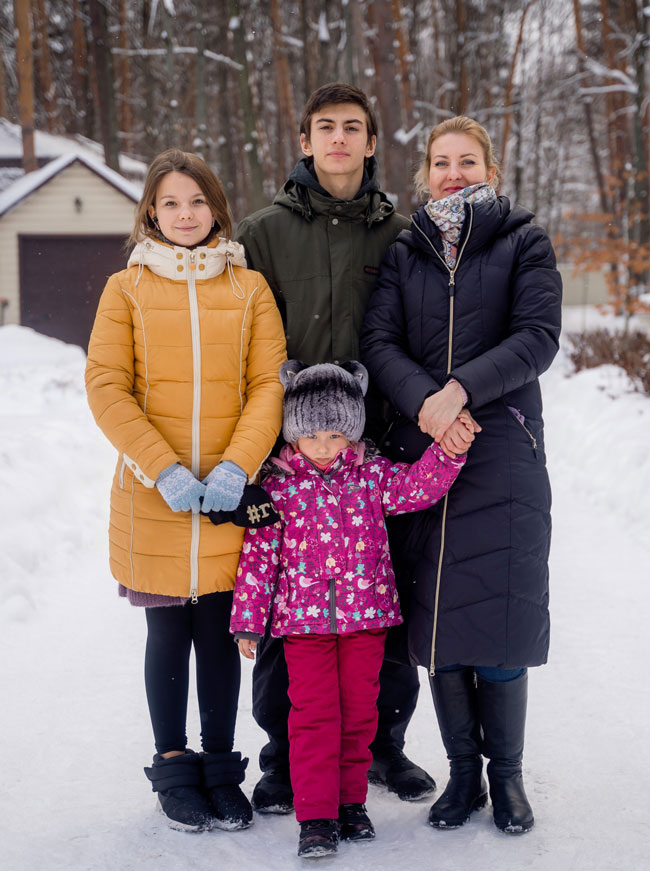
354 823
179 786
456 704
222 774
273 793
318 838
503 717
396 771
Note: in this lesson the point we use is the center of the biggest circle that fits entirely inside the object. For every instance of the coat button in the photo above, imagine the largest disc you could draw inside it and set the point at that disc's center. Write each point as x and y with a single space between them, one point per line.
335 220
202 255
201 265
179 268
179 256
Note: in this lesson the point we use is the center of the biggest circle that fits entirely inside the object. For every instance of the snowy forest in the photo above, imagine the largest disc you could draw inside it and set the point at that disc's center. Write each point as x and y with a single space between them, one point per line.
563 87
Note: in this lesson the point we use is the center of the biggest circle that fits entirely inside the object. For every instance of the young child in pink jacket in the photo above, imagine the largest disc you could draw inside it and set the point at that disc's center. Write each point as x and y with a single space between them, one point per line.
323 577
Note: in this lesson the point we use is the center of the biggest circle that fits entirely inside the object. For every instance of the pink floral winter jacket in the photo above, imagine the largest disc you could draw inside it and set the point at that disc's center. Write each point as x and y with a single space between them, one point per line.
331 544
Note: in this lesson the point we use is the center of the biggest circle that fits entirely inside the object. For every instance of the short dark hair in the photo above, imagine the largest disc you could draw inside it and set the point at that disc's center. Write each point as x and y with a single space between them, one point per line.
331 94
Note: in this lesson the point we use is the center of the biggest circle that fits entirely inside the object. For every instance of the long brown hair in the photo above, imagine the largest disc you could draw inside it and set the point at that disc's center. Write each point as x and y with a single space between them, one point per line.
175 160
458 124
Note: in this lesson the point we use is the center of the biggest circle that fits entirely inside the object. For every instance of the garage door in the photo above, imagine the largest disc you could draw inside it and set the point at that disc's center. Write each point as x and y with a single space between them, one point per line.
61 280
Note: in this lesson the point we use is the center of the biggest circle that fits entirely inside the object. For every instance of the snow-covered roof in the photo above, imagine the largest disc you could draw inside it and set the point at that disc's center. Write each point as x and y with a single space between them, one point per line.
49 146
26 185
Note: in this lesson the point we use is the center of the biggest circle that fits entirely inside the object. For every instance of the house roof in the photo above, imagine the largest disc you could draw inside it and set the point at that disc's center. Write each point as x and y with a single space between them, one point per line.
25 186
49 146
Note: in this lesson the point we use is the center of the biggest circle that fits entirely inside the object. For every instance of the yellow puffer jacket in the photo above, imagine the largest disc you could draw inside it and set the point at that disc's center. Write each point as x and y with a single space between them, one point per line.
182 367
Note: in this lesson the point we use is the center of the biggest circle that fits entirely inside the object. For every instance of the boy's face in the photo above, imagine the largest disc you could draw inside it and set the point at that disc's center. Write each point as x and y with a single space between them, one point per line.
322 447
338 141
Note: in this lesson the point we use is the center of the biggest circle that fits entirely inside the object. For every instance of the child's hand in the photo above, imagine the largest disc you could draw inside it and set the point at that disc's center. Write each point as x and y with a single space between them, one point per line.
247 647
466 418
460 435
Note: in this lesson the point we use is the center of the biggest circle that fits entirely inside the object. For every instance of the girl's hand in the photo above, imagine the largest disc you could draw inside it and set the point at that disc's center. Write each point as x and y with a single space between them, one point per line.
460 435
439 411
247 647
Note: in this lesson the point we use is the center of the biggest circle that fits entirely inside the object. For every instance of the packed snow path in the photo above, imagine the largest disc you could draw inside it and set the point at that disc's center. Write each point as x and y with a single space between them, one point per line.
74 717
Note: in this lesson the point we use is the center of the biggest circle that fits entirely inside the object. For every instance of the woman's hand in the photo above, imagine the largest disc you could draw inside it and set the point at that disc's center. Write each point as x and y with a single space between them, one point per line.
439 411
460 435
247 647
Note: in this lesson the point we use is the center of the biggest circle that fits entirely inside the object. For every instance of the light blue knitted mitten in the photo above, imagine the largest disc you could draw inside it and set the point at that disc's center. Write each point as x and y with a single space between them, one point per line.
225 486
180 489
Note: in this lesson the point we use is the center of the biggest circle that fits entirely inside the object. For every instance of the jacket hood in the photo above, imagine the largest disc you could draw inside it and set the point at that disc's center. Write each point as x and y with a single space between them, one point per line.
488 221
174 261
303 193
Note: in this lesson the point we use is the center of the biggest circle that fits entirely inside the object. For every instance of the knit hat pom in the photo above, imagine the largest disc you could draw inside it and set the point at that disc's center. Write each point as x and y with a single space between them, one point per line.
325 398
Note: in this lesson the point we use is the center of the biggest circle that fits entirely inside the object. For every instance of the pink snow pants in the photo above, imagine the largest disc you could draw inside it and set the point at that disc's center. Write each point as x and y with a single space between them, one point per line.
333 688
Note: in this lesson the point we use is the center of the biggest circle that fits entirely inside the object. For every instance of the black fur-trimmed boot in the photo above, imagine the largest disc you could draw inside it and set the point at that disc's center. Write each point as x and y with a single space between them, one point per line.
178 783
456 703
222 774
502 709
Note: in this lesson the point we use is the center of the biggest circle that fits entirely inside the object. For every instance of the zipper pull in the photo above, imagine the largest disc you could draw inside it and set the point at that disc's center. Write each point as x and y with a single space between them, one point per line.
194 597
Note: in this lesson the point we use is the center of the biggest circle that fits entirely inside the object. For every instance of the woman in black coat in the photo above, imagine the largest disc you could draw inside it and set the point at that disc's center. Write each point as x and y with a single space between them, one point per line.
466 315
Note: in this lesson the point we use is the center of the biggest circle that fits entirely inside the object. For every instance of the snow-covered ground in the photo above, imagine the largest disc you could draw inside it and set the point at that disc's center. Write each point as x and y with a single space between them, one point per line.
73 716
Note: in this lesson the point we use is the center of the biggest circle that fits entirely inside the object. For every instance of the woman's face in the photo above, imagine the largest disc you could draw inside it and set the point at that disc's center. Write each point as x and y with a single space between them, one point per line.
457 161
183 213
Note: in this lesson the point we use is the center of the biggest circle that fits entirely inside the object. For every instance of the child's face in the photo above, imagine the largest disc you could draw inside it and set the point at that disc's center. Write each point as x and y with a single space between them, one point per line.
322 446
183 213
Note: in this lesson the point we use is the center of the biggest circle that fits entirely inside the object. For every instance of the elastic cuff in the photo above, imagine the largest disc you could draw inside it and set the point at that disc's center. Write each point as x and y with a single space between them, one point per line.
166 472
462 389
233 467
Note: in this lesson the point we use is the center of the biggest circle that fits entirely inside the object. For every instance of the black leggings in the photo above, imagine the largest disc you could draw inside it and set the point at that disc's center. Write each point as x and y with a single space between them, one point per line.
171 632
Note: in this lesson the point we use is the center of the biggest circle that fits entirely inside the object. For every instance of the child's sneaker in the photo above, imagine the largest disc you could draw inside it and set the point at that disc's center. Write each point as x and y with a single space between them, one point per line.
354 823
318 838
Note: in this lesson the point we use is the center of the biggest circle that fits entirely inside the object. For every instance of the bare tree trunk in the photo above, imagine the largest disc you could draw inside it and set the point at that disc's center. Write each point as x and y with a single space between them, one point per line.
509 86
126 122
394 154
104 70
82 111
589 121
461 31
44 66
25 64
403 64
255 186
3 87
283 88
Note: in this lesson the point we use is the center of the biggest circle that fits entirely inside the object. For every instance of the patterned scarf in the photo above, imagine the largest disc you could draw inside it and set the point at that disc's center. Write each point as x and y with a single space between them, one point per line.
448 214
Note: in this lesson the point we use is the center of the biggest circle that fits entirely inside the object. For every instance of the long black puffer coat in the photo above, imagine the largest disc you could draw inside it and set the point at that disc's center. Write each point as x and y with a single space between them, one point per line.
492 323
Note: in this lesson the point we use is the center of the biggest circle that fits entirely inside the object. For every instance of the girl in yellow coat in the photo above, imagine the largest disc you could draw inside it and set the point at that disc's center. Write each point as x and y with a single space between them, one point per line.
182 377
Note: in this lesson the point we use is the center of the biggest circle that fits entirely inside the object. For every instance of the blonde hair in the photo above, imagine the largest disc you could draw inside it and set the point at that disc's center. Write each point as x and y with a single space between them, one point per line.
175 160
458 124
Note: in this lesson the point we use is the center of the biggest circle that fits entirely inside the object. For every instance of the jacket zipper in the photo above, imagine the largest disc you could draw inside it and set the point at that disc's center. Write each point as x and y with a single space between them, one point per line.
327 479
450 343
532 438
196 420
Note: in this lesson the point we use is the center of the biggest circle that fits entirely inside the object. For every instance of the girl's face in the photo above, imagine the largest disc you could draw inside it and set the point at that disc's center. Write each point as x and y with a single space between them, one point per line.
183 213
322 447
457 161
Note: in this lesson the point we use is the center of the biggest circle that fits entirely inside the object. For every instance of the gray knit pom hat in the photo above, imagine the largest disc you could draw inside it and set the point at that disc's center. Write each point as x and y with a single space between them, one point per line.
323 397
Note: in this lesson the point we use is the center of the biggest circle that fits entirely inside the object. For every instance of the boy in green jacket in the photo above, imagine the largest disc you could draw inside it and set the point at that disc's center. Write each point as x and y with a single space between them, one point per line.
319 246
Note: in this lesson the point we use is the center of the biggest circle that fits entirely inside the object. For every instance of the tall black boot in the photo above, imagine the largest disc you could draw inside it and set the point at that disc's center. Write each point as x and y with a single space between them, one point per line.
502 709
456 704
222 774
